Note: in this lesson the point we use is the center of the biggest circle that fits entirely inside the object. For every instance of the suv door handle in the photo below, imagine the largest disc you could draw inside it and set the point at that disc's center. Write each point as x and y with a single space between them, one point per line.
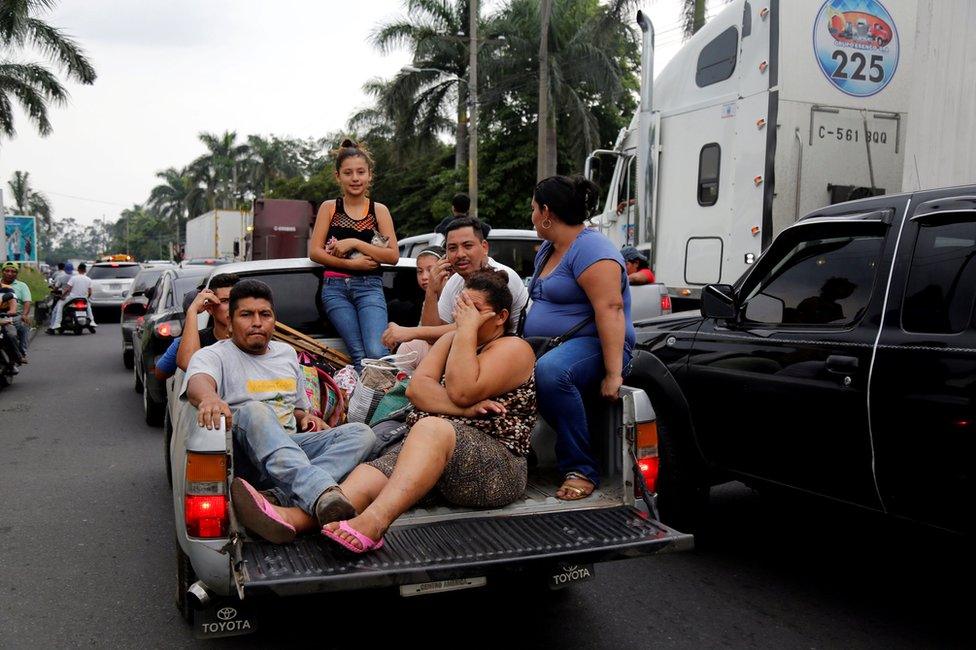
841 365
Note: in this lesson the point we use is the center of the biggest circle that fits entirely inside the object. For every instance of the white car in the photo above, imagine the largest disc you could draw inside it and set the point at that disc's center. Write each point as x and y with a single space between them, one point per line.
537 539
111 282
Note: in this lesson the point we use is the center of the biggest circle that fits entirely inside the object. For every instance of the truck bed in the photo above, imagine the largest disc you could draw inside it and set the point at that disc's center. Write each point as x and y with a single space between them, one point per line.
455 549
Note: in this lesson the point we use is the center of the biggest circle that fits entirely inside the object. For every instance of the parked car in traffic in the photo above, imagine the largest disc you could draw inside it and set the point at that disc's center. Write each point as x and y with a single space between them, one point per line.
205 261
162 322
110 282
134 305
841 365
538 539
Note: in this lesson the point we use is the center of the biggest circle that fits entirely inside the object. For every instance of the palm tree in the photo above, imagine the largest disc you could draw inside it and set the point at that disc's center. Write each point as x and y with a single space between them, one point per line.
590 59
220 169
414 103
31 83
177 199
27 201
692 16
271 159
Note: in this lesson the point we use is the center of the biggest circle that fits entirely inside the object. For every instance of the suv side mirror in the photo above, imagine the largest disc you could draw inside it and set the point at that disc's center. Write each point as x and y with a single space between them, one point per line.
718 301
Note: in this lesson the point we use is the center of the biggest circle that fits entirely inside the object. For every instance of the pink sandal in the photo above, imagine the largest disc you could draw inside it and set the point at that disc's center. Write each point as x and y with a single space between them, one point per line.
258 515
368 544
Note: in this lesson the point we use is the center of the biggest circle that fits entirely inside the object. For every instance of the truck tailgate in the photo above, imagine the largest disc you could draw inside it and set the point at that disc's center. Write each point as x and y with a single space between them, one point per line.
455 549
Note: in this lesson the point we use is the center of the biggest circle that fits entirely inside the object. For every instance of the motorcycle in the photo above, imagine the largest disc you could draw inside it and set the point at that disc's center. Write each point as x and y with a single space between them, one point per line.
9 355
74 316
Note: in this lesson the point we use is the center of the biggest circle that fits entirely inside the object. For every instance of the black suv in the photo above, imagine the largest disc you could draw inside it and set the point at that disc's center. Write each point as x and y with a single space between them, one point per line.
842 364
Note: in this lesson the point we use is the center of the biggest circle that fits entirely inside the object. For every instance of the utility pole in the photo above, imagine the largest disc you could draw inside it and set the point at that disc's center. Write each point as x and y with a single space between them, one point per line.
542 165
3 230
473 110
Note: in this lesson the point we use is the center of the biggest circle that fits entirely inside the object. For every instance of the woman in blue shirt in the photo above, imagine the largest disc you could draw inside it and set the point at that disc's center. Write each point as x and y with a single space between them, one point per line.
580 276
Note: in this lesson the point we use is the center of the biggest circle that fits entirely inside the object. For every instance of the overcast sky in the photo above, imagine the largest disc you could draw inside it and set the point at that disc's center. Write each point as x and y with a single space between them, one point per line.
169 70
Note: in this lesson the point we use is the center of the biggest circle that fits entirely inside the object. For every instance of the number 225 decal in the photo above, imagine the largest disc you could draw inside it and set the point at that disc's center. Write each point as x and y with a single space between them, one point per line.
856 45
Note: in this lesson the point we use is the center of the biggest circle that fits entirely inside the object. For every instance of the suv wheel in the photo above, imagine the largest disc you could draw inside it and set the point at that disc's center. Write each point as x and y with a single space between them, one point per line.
127 359
152 409
682 492
138 379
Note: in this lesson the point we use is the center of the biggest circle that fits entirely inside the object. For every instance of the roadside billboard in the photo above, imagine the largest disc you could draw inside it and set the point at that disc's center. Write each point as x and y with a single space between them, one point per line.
21 234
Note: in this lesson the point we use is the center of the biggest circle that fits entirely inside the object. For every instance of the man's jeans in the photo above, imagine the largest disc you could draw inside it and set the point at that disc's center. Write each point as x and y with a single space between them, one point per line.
23 334
59 308
356 307
298 467
563 375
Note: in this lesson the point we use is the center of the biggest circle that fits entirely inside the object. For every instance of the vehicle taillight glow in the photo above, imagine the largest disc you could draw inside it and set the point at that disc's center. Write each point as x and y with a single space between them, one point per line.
666 304
647 458
79 304
205 506
206 516
169 328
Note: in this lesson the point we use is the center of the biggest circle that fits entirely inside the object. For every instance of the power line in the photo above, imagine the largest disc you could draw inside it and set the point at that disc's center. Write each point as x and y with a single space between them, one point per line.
83 198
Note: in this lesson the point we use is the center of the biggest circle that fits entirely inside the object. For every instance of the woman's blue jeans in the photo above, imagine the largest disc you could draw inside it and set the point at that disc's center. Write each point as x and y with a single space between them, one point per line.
562 376
356 307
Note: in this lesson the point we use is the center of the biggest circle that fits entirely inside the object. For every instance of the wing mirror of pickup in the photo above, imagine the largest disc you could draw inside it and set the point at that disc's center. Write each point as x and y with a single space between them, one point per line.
718 301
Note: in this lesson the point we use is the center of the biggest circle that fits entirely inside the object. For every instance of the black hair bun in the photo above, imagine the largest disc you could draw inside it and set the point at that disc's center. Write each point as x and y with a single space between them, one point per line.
588 193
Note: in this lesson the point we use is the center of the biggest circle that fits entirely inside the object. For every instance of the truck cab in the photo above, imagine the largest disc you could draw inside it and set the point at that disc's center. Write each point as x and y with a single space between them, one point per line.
767 113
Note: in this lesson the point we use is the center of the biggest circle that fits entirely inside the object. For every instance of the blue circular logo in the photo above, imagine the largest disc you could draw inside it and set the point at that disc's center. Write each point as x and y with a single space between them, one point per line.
856 45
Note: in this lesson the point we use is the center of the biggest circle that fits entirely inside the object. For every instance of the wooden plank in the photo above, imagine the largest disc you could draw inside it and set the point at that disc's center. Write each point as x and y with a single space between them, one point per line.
295 338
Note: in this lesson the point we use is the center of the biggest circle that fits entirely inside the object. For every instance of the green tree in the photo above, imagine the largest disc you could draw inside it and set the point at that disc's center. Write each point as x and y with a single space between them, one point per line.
593 58
269 159
414 103
32 84
692 17
177 199
28 201
221 169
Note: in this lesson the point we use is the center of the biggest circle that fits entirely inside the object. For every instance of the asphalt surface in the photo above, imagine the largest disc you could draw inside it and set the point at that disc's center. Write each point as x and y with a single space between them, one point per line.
87 555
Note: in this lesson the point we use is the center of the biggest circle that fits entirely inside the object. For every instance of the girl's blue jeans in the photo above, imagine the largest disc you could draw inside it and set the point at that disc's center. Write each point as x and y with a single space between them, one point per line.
356 307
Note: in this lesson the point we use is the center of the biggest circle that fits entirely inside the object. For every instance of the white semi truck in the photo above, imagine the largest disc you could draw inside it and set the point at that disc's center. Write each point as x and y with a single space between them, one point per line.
771 110
216 234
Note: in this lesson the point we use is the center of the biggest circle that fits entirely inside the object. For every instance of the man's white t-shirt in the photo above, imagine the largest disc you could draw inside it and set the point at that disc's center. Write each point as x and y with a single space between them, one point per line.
454 285
78 286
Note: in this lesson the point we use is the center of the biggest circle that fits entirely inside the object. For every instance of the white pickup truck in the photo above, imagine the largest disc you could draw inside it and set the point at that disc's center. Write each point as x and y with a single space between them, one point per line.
516 249
221 572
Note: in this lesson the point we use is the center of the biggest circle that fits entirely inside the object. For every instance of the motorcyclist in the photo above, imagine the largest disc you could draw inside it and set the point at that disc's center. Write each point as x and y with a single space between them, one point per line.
8 310
78 285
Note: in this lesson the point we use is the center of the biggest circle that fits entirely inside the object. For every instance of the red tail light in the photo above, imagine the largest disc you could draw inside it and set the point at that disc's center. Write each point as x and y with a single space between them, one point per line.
79 304
648 462
665 304
169 328
206 516
205 506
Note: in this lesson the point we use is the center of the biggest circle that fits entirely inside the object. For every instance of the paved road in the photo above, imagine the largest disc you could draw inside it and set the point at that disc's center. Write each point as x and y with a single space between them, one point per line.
87 555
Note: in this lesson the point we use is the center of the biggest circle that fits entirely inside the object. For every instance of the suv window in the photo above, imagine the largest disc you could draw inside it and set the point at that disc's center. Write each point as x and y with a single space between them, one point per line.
114 272
941 285
145 279
516 254
819 281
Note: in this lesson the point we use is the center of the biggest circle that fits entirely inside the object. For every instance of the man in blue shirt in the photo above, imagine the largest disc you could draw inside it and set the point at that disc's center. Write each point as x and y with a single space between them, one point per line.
215 301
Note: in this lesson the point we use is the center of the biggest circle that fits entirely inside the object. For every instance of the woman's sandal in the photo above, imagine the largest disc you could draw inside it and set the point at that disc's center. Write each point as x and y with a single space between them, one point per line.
257 514
576 493
367 543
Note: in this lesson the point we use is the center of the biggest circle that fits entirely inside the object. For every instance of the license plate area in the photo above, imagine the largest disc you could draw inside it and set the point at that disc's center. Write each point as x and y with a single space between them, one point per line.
564 575
223 619
441 586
